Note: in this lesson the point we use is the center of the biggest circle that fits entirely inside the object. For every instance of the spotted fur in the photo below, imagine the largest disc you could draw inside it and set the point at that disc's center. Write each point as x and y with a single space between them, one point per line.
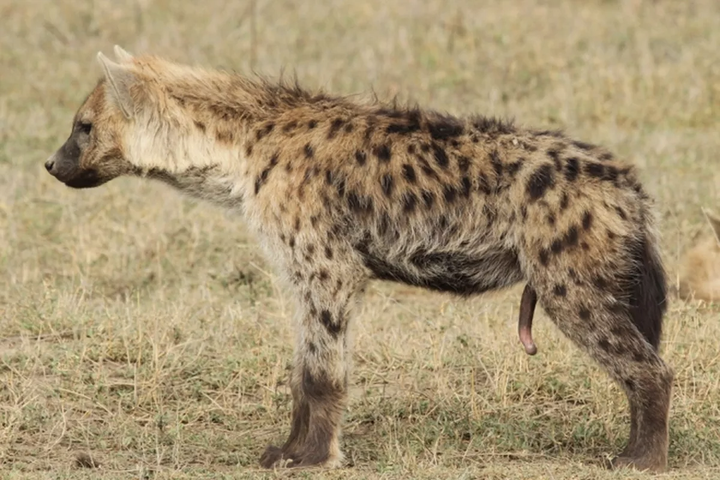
340 192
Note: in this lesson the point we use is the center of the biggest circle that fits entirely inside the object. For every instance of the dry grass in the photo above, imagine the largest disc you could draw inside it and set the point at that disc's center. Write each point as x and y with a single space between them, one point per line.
144 330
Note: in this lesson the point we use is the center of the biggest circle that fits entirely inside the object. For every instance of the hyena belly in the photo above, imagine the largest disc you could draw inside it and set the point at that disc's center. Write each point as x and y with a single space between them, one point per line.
463 257
447 270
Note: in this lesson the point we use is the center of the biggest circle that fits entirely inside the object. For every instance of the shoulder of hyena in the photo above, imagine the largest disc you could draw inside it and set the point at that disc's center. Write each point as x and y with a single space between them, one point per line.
700 266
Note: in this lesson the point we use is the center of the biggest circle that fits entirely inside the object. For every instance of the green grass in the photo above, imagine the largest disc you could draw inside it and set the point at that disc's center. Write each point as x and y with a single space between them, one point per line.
147 331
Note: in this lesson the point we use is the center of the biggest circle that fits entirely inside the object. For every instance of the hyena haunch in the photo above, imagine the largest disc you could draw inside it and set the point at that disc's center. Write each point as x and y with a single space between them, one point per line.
342 192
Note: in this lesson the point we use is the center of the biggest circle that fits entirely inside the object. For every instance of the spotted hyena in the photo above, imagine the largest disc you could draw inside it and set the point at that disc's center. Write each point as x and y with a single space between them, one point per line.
700 267
340 192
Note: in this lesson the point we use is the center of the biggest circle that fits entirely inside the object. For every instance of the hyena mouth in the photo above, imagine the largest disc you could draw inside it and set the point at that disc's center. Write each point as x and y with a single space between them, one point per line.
85 179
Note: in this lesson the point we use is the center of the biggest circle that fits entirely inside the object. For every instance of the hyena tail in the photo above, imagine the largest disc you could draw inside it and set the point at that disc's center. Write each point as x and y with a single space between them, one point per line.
648 300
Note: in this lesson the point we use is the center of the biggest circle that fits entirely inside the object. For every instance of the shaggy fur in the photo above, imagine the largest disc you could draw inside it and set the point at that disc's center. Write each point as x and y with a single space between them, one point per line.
339 193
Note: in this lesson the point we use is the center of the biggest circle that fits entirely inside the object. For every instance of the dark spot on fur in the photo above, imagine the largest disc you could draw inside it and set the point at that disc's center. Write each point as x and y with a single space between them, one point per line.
309 150
291 242
587 220
492 126
600 282
571 237
262 178
427 169
323 275
605 156
409 173
360 157
335 126
200 126
411 149
560 290
515 166
382 152
264 131
328 252
386 183
359 204
409 201
332 328
564 201
383 224
604 344
544 257
412 124
463 164
312 124
611 235
584 313
540 181
496 163
466 186
630 384
429 198
556 246
551 219
440 156
349 127
450 193
572 168
554 154
444 128
594 169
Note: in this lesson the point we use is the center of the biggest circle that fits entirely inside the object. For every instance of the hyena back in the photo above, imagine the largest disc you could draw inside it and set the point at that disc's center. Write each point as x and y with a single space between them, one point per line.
339 193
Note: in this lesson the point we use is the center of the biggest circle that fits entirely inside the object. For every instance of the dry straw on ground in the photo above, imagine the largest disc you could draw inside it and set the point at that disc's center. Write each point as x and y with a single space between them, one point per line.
144 331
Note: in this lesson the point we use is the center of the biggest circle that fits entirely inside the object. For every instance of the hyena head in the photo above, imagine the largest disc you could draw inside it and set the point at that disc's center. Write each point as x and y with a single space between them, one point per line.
110 132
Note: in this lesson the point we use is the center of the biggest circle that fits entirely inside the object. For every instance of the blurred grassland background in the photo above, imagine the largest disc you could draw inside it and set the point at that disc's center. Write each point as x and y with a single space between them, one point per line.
145 329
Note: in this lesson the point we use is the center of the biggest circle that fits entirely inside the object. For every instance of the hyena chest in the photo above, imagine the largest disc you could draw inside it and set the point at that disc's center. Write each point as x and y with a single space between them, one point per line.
462 270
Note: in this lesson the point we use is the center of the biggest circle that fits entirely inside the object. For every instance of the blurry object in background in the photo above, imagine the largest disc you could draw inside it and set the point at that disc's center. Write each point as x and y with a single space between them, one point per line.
700 268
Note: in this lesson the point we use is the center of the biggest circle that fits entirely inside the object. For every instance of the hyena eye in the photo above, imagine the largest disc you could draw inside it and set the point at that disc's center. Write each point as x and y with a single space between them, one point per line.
85 127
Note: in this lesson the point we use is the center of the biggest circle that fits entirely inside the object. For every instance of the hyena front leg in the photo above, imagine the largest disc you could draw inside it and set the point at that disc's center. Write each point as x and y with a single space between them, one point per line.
321 366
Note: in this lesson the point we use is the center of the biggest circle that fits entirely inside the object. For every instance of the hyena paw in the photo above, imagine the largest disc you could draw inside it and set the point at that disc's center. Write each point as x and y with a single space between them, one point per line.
275 457
652 463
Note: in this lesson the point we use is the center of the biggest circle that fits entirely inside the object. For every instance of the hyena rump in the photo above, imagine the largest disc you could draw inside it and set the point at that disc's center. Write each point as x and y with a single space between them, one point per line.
342 192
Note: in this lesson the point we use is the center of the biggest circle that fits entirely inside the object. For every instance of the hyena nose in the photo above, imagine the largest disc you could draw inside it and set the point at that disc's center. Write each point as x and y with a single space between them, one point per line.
49 165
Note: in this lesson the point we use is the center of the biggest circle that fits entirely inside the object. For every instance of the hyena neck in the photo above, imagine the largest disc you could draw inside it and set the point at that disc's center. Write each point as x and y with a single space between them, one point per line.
205 152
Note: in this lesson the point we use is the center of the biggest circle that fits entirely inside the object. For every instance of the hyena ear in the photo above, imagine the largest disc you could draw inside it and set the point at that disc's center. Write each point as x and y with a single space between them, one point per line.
714 221
121 55
120 78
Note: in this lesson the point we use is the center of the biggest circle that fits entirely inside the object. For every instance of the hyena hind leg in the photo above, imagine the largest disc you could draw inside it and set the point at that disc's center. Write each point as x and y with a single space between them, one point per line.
606 331
319 380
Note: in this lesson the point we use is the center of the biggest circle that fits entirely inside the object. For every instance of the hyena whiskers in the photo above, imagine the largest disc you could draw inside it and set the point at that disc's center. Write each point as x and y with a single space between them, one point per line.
343 192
